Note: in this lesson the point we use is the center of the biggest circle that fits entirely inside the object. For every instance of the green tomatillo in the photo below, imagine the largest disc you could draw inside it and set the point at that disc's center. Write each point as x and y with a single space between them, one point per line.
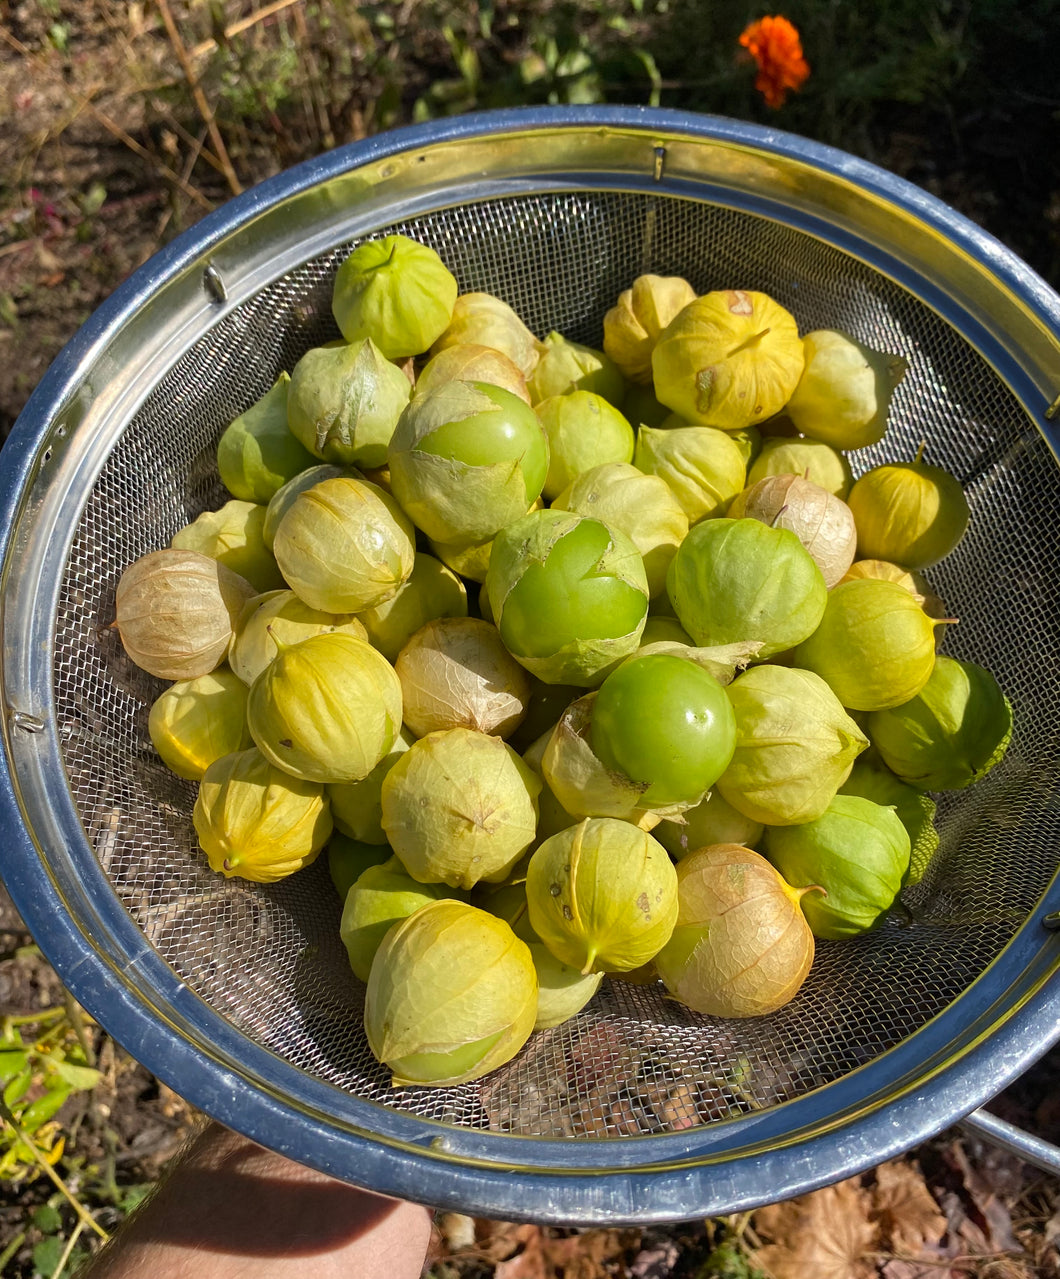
666 721
569 595
466 459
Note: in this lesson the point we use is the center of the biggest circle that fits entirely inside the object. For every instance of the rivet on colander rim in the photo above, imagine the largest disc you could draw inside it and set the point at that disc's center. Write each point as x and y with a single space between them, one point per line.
660 157
1053 411
214 284
1052 921
28 723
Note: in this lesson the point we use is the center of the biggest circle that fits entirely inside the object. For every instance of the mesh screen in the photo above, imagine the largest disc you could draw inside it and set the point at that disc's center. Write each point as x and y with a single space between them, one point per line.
269 959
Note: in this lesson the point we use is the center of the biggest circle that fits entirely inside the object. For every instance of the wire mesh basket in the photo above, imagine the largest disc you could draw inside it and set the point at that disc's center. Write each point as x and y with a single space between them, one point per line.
239 995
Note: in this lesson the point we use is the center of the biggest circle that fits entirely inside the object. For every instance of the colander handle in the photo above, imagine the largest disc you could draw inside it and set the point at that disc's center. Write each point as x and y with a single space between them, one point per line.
998 1132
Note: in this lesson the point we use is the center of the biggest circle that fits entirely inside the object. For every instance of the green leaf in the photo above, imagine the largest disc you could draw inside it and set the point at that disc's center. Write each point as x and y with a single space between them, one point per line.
93 199
12 1062
8 311
133 1196
83 1077
17 1088
40 1111
47 1219
47 1254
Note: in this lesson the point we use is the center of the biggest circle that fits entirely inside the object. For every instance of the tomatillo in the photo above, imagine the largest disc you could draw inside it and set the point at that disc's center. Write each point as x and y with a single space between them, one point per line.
663 720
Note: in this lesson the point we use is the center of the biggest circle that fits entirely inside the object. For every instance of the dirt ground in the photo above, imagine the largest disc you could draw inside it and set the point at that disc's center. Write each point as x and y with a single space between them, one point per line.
98 171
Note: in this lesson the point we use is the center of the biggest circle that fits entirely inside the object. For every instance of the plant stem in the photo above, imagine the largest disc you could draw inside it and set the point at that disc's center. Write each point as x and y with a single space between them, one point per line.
11 1249
83 1214
205 110
75 1234
77 1020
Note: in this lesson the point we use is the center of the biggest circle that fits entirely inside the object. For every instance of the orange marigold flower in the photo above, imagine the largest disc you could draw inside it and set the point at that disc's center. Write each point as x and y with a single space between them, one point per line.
775 46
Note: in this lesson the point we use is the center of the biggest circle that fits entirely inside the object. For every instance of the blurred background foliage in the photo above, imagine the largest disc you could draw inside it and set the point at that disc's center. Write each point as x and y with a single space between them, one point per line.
959 95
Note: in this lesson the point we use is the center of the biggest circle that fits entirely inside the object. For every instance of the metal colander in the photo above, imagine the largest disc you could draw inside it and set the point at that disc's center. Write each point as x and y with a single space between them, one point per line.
239 995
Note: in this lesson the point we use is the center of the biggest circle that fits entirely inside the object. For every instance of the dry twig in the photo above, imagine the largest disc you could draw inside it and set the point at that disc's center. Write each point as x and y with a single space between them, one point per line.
205 110
259 15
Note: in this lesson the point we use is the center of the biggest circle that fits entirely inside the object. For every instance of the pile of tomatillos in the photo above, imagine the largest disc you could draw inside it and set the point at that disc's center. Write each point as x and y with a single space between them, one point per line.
576 662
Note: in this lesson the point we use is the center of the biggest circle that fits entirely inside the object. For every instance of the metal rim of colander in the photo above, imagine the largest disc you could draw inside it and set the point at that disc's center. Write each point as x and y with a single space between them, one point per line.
1007 1018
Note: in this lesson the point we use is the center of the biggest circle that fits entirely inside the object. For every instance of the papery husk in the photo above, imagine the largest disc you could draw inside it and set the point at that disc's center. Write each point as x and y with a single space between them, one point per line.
915 810
357 807
642 506
196 721
583 431
633 325
452 995
875 646
722 660
703 467
327 709
795 746
602 895
432 590
257 822
565 365
551 815
856 852
914 583
734 581
459 807
951 733
885 571
729 359
562 991
909 513
396 291
380 897
472 362
257 454
485 320
344 402
822 522
176 612
234 536
345 545
281 500
712 821
584 786
530 541
279 618
741 946
812 459
844 394
456 673
450 500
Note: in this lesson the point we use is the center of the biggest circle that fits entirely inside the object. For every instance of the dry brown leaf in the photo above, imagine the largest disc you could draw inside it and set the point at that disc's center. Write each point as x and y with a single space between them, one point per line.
905 1210
586 1254
1006 1268
499 1240
897 1268
826 1234
528 1264
995 1218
